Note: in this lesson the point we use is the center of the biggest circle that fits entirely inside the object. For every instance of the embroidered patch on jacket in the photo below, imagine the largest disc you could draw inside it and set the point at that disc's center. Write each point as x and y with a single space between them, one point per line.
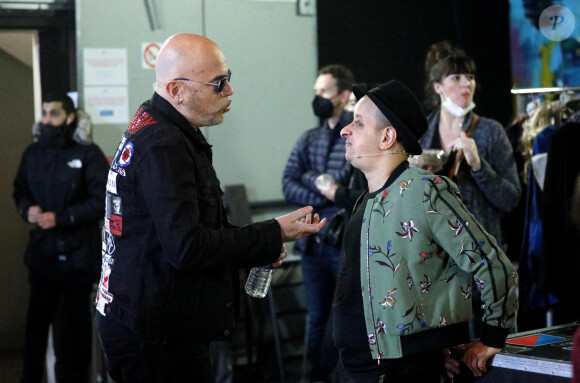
103 295
116 205
116 225
126 155
113 205
114 164
108 206
112 182
140 120
119 170
108 242
75 164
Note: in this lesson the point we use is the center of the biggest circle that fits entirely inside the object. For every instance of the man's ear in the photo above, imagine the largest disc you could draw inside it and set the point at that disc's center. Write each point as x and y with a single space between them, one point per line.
388 138
344 96
172 89
70 118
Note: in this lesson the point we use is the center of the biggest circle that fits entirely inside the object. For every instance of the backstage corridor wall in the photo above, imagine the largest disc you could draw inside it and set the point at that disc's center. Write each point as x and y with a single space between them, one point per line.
271 51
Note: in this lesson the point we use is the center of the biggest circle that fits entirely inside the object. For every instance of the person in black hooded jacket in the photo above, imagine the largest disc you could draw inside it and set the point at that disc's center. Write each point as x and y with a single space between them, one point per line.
59 187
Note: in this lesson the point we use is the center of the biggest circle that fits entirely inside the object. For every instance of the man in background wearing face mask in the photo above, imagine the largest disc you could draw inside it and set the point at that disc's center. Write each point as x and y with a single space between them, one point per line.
60 189
319 154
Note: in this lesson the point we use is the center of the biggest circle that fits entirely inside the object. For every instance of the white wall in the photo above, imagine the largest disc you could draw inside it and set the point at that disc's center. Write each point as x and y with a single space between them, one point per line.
271 52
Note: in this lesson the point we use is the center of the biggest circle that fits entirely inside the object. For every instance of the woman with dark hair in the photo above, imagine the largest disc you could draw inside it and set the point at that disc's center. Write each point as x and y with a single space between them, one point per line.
478 155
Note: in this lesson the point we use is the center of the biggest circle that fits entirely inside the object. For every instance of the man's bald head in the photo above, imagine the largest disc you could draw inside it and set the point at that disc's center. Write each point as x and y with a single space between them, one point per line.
185 55
187 70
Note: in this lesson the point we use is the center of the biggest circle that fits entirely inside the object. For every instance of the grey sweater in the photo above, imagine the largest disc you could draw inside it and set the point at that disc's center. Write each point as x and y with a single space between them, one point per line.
495 188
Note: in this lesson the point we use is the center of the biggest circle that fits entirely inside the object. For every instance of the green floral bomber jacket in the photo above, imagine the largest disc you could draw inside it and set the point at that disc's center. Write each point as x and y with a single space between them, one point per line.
421 253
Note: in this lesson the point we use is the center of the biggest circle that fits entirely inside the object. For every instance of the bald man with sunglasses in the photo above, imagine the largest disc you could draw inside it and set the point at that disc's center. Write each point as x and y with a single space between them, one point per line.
170 256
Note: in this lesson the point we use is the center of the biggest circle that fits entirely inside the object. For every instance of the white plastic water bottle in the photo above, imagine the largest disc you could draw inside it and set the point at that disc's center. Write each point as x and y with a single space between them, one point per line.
323 180
259 281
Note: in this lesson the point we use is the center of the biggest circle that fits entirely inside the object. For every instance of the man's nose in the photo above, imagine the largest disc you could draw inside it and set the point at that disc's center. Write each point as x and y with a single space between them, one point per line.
345 132
228 90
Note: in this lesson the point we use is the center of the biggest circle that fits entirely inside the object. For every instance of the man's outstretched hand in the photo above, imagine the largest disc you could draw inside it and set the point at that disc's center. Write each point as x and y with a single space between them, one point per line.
299 223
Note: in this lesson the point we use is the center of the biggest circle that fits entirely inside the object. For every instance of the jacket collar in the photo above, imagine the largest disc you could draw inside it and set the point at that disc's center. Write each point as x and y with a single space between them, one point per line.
173 116
396 173
58 141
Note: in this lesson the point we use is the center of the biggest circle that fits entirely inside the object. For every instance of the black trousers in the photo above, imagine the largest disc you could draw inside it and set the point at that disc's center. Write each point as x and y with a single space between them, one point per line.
72 332
130 358
421 368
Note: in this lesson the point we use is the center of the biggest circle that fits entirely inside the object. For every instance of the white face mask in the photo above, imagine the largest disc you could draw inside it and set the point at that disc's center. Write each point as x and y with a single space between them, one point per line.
455 109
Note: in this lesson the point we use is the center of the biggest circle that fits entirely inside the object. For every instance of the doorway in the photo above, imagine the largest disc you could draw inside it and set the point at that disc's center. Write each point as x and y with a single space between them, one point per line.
18 92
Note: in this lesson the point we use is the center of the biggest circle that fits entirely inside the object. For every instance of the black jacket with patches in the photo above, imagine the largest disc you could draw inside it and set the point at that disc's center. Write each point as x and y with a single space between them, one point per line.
169 253
68 178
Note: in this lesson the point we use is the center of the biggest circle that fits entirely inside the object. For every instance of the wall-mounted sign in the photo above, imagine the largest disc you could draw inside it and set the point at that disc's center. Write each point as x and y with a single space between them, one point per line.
306 7
107 105
105 66
149 52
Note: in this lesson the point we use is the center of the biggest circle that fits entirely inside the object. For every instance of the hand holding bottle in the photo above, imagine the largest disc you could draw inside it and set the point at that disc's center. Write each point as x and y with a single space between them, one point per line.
283 254
326 185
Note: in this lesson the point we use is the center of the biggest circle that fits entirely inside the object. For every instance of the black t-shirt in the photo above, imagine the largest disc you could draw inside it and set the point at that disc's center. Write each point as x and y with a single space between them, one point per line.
349 330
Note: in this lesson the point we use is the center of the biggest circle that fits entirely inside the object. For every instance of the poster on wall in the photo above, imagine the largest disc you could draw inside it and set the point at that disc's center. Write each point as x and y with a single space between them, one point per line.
105 66
107 105
545 43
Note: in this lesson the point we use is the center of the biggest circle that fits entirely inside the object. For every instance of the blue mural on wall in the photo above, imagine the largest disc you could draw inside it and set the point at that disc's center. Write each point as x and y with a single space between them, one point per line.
538 61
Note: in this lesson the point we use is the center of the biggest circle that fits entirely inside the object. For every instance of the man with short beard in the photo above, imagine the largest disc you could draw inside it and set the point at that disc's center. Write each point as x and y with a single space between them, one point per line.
59 188
170 257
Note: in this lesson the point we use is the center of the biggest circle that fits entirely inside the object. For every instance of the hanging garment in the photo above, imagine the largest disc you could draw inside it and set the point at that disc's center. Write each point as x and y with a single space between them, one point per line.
561 250
531 253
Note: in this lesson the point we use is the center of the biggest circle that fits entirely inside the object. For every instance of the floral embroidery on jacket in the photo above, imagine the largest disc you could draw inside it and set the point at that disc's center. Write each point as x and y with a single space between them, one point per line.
424 232
408 229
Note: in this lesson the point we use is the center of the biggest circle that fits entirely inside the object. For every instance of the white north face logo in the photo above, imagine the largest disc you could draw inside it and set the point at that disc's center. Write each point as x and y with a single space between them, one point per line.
75 164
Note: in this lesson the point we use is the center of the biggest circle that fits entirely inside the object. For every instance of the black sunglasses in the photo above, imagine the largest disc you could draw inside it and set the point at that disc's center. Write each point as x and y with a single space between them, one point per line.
219 86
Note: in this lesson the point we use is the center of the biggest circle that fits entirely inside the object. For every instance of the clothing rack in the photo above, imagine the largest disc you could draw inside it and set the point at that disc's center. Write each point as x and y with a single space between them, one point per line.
521 92
555 89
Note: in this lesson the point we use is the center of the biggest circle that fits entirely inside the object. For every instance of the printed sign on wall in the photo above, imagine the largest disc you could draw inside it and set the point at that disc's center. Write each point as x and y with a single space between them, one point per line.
149 52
